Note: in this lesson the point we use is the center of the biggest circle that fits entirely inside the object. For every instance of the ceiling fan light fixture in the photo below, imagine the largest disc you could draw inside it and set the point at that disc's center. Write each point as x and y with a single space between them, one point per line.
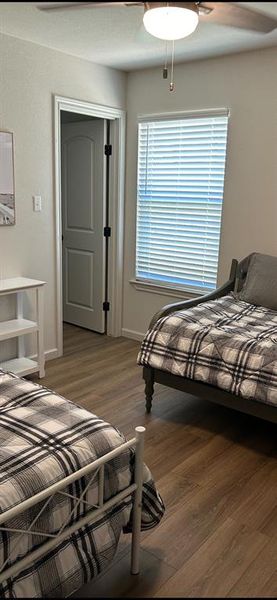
170 22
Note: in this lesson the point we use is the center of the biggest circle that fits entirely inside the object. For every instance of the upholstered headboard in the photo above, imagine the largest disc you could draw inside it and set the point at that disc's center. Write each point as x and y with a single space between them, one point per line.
242 269
257 273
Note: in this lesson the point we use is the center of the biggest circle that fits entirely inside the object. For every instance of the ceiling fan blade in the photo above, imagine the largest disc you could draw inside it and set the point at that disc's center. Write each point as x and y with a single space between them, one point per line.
54 6
226 13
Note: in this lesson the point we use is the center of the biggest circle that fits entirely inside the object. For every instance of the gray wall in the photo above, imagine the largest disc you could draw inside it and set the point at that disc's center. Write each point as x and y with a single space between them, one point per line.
247 84
29 76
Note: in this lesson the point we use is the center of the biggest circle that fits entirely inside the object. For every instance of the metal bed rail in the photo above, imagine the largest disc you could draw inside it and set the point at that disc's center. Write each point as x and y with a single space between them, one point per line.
96 468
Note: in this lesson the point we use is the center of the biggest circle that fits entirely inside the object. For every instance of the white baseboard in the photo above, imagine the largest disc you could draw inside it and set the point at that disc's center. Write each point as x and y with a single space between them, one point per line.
49 354
133 335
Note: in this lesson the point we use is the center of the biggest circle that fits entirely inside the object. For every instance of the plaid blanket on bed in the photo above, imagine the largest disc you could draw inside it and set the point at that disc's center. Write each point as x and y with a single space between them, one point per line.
226 343
44 438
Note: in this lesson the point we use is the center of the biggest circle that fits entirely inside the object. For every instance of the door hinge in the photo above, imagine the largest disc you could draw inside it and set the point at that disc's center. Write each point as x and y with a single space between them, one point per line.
108 150
106 306
107 232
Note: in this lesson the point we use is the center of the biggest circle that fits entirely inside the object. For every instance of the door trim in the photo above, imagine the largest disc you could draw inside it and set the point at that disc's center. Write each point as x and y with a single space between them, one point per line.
116 208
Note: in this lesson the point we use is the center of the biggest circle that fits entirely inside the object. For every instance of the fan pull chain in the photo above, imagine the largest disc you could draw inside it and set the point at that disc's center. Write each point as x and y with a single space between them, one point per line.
172 84
165 71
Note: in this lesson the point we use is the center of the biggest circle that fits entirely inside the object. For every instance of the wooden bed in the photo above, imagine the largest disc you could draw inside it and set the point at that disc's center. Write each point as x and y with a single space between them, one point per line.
208 392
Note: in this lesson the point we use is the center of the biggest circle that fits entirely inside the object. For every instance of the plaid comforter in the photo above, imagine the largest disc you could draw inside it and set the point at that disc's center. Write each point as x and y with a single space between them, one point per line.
44 438
226 343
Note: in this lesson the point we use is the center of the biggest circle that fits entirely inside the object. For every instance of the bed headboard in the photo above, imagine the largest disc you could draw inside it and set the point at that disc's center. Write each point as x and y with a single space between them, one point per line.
242 269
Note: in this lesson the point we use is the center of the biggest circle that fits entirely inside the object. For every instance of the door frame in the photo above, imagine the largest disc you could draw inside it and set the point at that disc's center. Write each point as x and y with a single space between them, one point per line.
117 118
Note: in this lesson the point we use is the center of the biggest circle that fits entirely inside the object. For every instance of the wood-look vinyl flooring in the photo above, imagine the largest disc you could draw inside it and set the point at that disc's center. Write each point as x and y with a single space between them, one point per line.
215 468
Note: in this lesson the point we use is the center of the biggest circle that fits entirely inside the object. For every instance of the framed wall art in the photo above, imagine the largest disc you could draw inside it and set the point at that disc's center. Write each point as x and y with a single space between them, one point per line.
7 195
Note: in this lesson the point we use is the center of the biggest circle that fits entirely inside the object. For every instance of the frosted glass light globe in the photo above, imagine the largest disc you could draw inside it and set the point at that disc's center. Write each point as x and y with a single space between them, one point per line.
170 22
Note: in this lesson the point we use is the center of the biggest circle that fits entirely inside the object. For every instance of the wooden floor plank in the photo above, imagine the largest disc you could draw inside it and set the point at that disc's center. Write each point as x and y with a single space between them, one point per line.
118 581
215 468
269 589
217 565
194 521
260 576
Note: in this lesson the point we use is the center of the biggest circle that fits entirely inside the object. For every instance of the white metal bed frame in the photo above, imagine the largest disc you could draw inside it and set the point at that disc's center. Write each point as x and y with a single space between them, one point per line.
96 468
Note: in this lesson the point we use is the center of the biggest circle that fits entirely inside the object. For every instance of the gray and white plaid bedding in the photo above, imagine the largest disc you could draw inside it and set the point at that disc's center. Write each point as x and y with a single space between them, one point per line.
226 343
44 438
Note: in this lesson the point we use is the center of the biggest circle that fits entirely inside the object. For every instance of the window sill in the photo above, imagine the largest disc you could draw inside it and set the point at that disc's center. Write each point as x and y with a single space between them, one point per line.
164 290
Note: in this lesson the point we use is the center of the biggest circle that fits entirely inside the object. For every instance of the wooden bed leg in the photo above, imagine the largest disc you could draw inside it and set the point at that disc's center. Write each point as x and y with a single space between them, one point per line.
148 375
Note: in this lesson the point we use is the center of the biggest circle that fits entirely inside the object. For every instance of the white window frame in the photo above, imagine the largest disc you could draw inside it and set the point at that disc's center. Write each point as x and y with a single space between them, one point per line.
167 289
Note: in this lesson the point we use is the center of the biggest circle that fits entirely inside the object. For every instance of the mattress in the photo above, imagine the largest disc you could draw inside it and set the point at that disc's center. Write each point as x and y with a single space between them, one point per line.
225 342
44 438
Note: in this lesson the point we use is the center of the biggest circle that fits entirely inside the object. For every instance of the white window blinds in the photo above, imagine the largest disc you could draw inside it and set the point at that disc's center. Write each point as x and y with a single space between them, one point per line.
181 167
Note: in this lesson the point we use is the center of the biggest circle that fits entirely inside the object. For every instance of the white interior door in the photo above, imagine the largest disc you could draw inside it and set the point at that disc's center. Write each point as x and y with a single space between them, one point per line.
84 210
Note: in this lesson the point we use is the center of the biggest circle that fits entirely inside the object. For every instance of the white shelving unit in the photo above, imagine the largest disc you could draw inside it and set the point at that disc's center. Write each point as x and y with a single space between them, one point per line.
19 327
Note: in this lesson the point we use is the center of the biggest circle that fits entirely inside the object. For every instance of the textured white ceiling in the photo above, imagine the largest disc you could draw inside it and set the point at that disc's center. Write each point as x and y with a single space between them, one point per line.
116 37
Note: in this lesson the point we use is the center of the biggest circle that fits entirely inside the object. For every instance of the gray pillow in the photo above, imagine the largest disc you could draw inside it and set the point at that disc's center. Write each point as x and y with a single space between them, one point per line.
260 287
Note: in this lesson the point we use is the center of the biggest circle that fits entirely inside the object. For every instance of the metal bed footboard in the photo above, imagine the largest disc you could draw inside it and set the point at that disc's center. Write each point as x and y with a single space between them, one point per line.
95 468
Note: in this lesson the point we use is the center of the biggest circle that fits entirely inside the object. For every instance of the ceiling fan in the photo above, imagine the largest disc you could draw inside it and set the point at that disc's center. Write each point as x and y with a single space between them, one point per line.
172 21
224 13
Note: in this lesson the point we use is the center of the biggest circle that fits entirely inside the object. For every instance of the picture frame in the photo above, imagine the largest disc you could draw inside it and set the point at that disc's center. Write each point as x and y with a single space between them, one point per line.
7 186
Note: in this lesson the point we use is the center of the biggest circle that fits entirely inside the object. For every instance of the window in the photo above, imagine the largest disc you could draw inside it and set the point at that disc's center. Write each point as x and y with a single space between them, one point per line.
181 164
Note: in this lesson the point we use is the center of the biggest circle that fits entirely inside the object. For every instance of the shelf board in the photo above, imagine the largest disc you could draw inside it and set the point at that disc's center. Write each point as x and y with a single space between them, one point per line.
17 284
20 366
16 327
